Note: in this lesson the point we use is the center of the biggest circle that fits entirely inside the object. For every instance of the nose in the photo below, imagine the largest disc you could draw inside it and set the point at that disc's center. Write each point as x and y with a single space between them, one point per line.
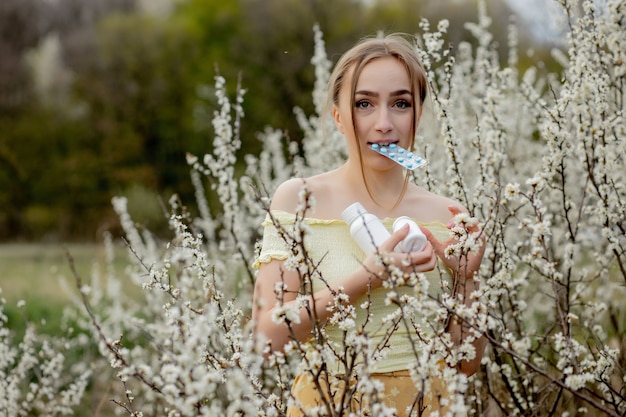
383 120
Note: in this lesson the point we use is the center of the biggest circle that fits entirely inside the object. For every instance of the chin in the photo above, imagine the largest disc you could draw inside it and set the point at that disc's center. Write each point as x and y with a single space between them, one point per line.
382 164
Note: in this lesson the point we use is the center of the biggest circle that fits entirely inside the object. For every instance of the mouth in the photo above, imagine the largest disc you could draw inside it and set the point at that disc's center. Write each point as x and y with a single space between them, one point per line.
384 142
383 146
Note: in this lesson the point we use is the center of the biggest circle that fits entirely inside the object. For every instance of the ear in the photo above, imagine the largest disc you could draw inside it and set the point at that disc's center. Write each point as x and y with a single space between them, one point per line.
337 118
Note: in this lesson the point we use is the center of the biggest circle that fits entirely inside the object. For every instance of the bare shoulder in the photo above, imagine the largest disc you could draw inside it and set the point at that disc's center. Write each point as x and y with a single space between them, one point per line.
324 188
287 195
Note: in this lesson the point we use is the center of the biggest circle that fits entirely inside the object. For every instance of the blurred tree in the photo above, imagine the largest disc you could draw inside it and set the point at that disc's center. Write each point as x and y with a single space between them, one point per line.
13 198
139 89
33 130
274 51
22 25
140 86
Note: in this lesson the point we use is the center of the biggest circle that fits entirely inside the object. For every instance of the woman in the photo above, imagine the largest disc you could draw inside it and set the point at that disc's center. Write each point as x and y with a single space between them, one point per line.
376 94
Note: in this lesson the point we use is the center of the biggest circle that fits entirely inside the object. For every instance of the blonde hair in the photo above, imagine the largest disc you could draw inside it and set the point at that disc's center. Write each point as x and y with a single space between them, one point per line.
368 49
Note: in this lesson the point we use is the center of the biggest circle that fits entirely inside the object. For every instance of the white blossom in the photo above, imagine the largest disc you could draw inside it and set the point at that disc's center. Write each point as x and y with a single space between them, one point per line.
535 157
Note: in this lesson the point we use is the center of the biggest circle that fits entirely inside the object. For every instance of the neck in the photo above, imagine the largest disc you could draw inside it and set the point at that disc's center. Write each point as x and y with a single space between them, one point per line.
385 187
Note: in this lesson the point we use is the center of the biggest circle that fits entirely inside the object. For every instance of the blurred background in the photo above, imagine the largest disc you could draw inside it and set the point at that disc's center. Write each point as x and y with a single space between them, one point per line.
104 97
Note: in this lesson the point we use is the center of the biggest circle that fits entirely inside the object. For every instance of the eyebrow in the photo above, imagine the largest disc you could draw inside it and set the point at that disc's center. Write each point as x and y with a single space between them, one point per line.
373 94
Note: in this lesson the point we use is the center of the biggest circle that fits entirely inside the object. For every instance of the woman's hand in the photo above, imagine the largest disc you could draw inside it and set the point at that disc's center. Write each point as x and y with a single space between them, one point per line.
463 252
422 261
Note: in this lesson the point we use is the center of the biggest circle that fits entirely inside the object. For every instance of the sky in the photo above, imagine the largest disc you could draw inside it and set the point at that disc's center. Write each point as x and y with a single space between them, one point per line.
544 18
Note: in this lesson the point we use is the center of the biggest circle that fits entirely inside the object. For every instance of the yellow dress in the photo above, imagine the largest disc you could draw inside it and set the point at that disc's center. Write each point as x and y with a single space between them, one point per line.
329 244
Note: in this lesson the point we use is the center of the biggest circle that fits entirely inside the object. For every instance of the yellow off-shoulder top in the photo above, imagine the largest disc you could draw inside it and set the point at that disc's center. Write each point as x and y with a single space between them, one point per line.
329 243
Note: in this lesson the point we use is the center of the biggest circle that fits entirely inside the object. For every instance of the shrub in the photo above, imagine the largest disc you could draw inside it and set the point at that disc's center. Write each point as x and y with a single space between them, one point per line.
537 157
39 374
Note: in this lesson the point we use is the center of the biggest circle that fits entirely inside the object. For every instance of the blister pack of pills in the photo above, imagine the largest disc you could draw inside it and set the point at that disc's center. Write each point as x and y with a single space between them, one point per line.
406 158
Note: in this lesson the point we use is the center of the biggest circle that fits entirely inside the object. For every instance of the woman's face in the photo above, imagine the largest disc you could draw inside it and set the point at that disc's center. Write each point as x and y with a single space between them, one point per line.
384 110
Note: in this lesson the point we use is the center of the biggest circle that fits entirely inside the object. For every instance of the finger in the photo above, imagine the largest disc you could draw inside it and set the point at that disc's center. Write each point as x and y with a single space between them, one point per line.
395 238
454 209
471 223
426 255
431 237
423 261
432 261
438 247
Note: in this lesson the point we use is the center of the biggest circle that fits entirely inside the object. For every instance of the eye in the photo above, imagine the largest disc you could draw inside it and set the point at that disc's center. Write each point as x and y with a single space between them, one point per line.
403 104
362 104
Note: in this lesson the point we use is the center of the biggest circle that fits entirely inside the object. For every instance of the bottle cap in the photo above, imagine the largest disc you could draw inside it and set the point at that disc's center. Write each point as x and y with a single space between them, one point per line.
400 221
415 240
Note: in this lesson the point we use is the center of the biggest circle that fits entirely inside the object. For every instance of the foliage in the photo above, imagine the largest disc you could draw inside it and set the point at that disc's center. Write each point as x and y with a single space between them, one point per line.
536 157
42 133
39 374
99 97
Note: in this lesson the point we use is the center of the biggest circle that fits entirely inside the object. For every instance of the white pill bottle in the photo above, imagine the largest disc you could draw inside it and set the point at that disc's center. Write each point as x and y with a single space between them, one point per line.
365 228
414 241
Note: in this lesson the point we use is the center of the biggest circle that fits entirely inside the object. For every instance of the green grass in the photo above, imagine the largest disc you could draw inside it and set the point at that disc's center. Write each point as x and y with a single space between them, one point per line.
40 275
32 270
